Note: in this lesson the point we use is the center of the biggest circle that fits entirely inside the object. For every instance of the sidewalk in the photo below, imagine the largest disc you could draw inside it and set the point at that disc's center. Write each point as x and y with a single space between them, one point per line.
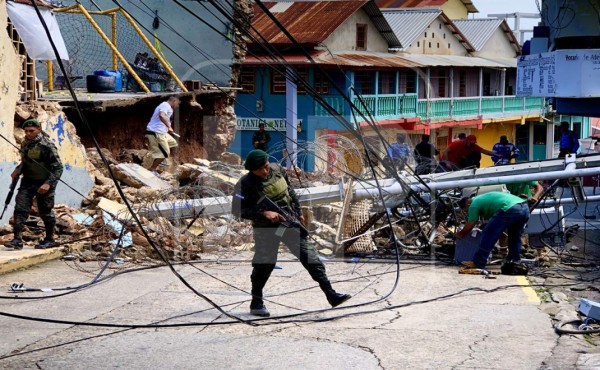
11 260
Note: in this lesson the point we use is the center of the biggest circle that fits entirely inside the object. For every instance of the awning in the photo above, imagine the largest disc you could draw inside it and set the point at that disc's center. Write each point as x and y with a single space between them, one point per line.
27 23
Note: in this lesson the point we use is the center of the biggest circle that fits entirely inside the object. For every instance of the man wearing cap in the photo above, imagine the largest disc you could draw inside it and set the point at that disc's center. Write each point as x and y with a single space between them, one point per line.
399 152
461 153
271 228
158 130
504 212
506 150
41 169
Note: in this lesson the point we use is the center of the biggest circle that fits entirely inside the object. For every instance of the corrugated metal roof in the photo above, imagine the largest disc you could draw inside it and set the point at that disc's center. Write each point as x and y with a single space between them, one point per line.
311 22
422 3
459 61
478 31
408 25
370 60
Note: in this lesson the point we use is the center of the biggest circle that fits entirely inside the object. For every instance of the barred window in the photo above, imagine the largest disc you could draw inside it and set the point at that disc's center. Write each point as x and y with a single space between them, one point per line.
248 80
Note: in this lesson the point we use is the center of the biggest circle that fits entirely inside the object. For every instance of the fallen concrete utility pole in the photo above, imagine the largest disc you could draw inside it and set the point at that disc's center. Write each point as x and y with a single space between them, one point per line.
575 167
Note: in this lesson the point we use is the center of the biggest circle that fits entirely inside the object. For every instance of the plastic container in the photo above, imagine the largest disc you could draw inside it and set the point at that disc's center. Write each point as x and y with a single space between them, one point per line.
118 78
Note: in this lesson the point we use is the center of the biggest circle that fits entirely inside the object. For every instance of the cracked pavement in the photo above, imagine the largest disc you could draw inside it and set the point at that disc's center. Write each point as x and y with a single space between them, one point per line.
449 326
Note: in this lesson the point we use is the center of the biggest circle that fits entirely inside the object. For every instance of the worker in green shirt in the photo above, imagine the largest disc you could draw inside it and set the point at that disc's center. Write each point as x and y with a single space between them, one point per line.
504 212
523 190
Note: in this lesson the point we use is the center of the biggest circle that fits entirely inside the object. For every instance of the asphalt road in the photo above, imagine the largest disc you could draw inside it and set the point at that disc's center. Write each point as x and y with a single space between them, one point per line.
435 319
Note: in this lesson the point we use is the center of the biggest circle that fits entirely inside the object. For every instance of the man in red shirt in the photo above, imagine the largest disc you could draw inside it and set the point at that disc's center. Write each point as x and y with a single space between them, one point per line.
461 153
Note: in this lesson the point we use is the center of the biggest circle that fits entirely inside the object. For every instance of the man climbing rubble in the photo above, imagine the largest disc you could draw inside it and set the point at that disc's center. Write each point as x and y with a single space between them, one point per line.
158 131
272 227
41 169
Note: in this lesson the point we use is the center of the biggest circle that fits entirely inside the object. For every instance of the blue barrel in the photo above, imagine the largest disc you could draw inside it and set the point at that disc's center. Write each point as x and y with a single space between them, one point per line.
118 78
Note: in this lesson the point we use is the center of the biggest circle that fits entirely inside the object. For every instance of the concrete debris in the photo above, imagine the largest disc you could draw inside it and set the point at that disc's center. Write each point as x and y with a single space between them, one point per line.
137 176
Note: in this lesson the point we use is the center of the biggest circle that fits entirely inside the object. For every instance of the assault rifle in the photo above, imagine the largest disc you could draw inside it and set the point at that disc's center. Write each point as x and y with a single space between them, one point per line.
11 192
289 218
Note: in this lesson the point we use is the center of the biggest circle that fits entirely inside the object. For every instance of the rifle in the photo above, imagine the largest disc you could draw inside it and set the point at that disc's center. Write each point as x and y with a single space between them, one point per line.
291 220
11 192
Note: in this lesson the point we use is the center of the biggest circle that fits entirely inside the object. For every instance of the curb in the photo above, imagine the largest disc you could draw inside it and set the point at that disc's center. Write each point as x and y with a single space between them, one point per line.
11 260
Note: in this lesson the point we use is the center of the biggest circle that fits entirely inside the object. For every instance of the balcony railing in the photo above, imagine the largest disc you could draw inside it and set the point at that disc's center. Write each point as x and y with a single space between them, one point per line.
407 106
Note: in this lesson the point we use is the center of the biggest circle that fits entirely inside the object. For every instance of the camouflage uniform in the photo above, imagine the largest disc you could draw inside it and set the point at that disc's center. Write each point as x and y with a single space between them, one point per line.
260 136
268 235
40 164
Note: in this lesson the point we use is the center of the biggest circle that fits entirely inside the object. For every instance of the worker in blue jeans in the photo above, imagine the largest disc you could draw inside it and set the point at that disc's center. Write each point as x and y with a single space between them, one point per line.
504 212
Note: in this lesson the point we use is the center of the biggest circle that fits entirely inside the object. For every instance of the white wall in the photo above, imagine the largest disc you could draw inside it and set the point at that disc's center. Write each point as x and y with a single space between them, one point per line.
437 39
344 37
497 46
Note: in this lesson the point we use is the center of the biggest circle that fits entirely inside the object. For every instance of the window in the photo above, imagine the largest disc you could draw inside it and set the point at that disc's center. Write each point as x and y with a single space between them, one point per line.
321 83
448 45
442 83
444 36
248 80
411 86
387 82
438 45
440 26
425 34
361 37
430 45
278 82
462 83
364 82
432 35
418 44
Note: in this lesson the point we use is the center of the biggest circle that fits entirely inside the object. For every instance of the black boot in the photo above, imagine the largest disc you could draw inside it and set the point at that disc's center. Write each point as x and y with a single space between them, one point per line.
259 278
17 242
334 298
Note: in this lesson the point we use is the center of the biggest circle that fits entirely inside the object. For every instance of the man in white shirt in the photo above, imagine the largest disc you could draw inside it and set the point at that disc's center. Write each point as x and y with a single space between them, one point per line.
158 131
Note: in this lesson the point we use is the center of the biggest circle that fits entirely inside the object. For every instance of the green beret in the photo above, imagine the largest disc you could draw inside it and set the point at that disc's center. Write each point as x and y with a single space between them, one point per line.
256 159
31 123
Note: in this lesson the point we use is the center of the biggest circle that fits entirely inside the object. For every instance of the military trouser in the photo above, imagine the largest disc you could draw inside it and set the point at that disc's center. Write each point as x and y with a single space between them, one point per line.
267 241
23 202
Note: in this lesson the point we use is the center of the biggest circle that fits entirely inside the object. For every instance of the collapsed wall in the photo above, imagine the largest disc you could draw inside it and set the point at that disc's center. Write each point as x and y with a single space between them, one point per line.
10 70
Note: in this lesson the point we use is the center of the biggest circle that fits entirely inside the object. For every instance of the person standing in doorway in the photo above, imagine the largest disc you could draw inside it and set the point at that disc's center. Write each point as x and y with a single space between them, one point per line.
261 138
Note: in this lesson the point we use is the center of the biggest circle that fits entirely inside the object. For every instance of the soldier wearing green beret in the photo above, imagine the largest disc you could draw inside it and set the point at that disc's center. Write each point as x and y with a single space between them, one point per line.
41 169
271 228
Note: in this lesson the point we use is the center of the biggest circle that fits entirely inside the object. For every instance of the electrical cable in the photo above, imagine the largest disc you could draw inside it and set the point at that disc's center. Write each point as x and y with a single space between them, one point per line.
115 181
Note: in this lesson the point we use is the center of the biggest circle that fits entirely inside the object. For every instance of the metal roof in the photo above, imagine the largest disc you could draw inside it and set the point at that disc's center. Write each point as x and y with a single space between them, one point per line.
459 61
311 22
409 24
422 3
372 60
479 31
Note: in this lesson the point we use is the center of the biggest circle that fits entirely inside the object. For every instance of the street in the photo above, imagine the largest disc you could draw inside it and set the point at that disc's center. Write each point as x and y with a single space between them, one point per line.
435 318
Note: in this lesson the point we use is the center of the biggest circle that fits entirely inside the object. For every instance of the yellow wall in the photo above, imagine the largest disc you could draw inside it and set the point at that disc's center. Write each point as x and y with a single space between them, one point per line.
455 9
490 135
10 71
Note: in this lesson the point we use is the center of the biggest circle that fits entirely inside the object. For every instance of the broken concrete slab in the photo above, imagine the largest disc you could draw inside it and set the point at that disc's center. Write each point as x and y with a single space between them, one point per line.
137 176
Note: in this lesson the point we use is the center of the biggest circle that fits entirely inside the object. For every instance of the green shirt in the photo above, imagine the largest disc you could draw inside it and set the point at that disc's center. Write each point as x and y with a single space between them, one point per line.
486 205
521 188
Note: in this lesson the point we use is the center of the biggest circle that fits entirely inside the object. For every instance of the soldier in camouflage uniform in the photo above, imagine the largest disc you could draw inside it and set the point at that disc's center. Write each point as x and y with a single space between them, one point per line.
41 169
261 138
270 228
